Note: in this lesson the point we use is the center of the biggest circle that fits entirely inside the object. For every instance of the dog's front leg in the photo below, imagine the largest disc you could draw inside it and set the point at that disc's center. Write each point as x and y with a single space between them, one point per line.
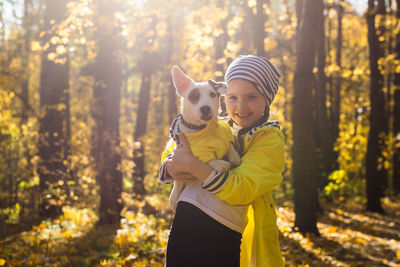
175 193
233 156
219 165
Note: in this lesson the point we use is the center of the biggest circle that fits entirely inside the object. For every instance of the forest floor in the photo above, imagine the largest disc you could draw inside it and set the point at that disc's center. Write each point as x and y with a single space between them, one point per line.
349 236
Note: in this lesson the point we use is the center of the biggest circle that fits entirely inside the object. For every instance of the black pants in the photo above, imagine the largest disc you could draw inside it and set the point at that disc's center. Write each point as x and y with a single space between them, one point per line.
196 239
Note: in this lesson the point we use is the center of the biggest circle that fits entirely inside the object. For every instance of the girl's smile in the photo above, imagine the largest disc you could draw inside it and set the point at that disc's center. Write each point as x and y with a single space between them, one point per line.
245 105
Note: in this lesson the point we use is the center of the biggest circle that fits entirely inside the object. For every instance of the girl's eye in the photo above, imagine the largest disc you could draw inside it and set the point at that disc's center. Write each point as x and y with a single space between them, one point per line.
253 97
212 94
231 97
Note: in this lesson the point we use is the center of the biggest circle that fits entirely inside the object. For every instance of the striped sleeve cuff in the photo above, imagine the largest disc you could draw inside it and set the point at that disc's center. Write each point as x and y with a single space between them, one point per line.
163 176
212 184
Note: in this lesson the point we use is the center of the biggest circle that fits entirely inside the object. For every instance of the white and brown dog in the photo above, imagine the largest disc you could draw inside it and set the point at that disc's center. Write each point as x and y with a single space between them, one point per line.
209 140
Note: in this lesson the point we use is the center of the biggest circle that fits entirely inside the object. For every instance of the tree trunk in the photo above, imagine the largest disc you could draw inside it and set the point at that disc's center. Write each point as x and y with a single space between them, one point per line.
220 44
299 15
25 58
329 87
53 82
396 134
106 111
396 115
27 25
305 196
324 139
70 177
172 103
244 33
375 172
338 79
259 30
141 125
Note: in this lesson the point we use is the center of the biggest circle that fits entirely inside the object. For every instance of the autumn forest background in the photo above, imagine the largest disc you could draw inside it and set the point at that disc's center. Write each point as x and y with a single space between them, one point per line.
86 99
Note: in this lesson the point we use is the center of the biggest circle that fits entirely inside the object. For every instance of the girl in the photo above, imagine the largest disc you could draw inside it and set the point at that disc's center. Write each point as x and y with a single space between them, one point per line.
229 218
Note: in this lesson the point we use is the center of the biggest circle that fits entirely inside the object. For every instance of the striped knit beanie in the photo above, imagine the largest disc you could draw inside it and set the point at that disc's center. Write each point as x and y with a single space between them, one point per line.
257 70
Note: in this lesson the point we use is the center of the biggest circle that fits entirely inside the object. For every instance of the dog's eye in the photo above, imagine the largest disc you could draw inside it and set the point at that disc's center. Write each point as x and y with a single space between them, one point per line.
194 96
212 94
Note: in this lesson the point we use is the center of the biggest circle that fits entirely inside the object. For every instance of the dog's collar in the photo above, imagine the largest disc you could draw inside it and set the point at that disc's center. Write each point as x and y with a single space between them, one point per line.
192 126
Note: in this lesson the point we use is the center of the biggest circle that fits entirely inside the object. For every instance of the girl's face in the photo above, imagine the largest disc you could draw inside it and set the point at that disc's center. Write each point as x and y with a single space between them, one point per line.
245 105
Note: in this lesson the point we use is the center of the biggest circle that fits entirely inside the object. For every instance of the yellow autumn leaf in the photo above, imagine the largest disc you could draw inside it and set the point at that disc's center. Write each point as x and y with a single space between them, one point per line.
358 71
130 215
339 211
270 44
61 49
397 70
54 40
218 73
65 40
346 73
332 229
359 240
51 56
221 60
3 262
398 254
61 106
35 46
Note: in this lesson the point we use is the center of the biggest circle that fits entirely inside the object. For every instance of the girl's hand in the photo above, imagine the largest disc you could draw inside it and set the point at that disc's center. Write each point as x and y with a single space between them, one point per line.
179 166
183 156
184 164
184 177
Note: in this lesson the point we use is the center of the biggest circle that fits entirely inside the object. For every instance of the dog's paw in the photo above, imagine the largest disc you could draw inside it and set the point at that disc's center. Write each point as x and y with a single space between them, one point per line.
235 159
220 165
233 156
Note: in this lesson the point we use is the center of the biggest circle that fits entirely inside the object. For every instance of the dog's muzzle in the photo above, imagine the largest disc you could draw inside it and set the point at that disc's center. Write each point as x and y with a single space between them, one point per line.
206 114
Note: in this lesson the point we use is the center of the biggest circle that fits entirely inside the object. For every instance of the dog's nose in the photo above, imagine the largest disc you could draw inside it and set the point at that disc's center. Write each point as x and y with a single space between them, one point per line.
205 110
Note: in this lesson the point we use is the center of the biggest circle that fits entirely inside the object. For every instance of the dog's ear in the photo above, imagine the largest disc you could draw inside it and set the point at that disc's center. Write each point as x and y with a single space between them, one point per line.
180 79
219 87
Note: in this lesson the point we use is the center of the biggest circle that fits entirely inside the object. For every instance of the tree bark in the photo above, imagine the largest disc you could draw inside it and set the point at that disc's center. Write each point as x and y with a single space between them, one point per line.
259 29
375 172
53 82
244 33
324 138
172 103
338 79
25 58
27 26
396 114
106 110
141 125
220 44
299 14
305 196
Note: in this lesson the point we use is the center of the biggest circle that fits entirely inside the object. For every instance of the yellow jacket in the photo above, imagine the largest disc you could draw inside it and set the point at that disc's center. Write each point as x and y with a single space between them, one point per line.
251 183
210 143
